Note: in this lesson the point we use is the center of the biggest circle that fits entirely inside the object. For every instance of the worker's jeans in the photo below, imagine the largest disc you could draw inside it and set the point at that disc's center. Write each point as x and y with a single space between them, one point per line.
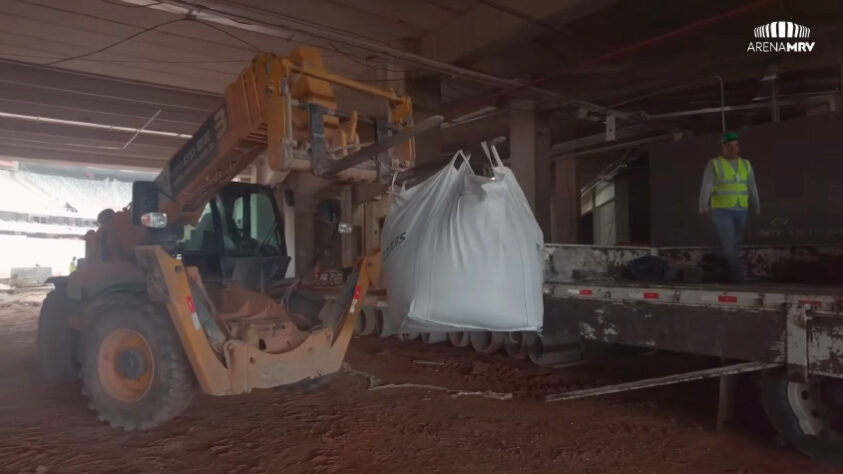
730 225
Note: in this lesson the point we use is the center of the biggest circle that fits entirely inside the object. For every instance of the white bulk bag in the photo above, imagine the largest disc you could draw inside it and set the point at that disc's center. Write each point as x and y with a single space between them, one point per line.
462 252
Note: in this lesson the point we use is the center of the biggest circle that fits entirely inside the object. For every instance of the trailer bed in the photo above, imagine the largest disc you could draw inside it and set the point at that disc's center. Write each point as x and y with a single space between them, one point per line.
792 324
751 286
821 299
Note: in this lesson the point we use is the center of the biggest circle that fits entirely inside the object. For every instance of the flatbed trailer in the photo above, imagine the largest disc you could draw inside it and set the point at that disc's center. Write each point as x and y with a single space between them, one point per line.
789 335
792 334
790 324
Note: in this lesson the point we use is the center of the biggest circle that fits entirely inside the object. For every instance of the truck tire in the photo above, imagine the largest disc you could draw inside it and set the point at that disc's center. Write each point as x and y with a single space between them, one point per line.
803 414
554 350
134 370
360 325
486 342
459 339
433 337
380 323
367 324
409 336
515 344
57 342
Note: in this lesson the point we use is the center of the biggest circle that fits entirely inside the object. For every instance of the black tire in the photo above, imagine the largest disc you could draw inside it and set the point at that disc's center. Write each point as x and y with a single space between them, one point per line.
366 322
57 342
171 384
459 339
380 322
486 342
800 417
515 344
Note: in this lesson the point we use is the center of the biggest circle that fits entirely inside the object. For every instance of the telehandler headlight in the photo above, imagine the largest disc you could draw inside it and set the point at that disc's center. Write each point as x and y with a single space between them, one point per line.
155 220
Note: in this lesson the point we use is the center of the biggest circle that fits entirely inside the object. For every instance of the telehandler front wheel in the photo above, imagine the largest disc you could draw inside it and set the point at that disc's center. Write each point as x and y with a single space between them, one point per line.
134 370
57 342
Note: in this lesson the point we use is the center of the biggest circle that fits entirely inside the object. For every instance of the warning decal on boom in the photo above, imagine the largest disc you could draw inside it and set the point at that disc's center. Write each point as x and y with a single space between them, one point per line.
196 154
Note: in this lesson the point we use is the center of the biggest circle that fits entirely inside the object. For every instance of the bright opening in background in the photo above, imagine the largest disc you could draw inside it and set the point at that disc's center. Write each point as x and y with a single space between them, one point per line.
45 211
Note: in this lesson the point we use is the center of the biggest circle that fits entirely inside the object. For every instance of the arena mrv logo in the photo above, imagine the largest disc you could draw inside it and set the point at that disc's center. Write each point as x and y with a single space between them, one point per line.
780 32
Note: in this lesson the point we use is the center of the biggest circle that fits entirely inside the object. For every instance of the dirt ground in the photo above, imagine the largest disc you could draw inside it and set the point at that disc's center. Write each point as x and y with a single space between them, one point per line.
348 427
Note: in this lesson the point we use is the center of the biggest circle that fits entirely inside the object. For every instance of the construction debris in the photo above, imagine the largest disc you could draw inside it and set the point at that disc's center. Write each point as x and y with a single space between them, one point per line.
377 384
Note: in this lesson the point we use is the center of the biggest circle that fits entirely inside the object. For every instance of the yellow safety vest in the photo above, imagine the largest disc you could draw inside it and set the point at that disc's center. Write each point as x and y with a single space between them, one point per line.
730 188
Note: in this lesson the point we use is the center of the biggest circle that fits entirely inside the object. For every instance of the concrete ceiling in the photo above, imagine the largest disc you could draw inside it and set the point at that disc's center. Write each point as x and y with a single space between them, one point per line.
197 54
79 109
119 62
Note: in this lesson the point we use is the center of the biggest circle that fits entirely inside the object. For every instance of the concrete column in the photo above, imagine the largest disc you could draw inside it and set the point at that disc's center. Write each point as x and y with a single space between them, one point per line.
290 237
299 221
544 176
840 97
304 235
347 240
426 92
623 198
566 202
529 153
261 172
288 213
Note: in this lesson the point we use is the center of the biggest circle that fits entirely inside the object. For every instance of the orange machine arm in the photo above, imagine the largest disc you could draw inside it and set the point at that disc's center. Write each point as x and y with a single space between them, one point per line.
284 106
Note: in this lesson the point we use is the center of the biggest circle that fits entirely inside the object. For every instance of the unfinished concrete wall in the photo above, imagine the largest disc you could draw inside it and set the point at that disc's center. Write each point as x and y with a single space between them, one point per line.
799 170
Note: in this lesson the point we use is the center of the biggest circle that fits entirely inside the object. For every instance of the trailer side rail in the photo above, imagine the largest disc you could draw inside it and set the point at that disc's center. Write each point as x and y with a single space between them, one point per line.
825 304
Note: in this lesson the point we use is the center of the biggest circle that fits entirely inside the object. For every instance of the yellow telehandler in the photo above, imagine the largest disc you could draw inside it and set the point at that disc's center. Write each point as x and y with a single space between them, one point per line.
185 290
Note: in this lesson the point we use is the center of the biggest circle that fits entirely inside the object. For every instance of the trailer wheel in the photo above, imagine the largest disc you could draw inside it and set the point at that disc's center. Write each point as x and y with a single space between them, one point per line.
807 416
486 342
459 339
360 325
58 344
409 336
366 324
515 344
380 323
134 370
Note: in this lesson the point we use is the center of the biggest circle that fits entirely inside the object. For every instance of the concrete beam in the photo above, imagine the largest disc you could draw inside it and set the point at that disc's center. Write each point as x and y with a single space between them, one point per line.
86 92
86 98
470 134
36 154
596 139
485 26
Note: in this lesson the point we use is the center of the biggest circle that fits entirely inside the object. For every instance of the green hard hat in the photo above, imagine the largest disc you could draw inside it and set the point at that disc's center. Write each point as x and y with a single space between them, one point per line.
729 136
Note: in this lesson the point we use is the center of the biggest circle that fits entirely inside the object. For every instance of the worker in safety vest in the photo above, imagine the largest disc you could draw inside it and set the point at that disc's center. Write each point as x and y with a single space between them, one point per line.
728 191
